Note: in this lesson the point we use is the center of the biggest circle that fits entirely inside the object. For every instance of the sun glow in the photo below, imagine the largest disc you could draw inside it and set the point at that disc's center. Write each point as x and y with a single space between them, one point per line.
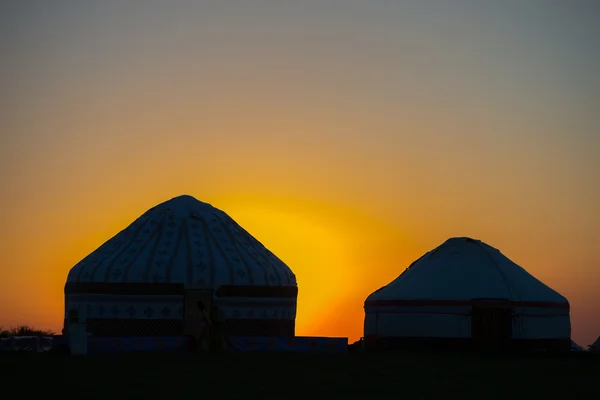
316 253
338 253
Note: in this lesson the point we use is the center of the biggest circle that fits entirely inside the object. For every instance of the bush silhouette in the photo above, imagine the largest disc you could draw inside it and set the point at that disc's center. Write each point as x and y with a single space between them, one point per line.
24 330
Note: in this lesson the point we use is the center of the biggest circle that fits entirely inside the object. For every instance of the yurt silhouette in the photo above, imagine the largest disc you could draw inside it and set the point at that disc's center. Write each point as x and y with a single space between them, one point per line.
148 279
466 294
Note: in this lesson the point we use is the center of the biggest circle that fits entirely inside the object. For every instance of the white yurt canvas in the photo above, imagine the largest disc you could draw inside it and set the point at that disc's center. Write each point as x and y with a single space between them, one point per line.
148 279
465 291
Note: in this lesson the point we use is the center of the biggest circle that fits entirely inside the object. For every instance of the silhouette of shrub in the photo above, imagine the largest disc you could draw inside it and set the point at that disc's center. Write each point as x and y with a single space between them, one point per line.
24 330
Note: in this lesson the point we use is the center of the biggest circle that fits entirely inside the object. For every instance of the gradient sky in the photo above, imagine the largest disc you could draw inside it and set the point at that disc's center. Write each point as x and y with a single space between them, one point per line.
348 136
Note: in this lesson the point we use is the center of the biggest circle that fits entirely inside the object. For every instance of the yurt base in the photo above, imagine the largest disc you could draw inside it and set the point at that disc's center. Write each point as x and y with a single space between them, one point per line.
389 344
184 344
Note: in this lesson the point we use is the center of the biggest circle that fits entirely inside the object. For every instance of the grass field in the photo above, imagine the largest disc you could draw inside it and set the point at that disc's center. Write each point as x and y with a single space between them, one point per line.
273 376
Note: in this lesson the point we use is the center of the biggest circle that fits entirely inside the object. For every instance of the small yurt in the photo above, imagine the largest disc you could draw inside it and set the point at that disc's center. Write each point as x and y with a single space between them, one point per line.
467 294
149 279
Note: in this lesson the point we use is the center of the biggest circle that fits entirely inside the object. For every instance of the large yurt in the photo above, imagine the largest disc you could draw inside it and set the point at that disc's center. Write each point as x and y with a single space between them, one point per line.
149 278
467 294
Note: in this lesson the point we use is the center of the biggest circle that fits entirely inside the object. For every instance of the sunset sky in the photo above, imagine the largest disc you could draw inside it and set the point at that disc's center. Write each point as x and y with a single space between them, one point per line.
348 136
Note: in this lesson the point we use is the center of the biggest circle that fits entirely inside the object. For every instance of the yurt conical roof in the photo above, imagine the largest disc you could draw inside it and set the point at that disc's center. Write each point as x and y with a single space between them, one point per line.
184 241
463 269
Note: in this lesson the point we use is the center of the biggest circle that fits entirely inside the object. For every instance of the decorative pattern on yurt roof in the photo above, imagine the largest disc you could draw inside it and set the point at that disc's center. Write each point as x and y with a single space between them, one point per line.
185 241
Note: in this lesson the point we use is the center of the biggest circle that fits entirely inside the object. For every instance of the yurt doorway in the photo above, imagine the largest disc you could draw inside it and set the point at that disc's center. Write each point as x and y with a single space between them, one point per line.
491 327
193 318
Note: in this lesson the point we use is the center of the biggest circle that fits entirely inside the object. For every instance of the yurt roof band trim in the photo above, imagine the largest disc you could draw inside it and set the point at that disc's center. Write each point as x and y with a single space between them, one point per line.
124 288
465 303
133 288
256 291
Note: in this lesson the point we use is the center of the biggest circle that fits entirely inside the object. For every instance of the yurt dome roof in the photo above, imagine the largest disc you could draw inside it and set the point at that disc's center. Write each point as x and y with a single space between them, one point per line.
463 268
184 240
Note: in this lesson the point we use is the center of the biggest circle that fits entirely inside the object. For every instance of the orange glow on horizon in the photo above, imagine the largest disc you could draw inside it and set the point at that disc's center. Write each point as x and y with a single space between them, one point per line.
349 153
340 254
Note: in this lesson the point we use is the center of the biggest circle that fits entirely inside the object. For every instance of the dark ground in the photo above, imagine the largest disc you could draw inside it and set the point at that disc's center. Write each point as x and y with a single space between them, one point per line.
272 376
